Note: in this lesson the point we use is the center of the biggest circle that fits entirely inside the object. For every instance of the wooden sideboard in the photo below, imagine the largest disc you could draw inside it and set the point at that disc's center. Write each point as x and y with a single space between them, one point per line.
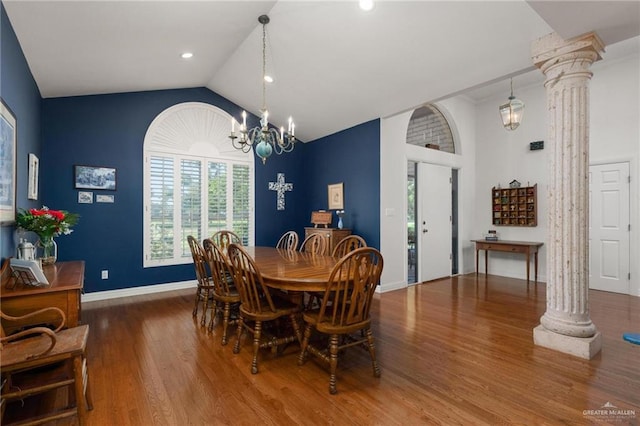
333 235
66 282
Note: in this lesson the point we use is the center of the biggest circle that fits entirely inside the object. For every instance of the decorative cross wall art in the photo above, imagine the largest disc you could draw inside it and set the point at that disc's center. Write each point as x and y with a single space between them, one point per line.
280 187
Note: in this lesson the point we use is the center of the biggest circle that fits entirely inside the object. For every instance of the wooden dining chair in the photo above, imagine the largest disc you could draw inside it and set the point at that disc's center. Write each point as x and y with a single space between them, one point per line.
288 241
258 307
38 361
345 312
347 245
223 238
204 290
315 243
225 292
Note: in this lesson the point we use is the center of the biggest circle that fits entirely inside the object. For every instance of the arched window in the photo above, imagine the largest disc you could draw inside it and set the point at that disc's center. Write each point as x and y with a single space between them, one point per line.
195 182
429 128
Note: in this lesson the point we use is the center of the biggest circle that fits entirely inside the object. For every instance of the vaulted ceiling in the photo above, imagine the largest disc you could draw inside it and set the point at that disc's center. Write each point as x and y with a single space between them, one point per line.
334 65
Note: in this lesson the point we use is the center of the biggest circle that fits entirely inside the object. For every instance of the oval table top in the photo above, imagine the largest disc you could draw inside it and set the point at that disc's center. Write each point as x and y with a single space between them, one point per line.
292 270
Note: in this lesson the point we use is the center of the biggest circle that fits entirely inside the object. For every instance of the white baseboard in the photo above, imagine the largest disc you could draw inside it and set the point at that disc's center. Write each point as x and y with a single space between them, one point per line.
383 288
135 291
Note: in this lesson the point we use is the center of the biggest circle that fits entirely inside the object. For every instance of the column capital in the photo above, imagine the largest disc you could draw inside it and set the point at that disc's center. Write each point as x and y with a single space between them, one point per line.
553 46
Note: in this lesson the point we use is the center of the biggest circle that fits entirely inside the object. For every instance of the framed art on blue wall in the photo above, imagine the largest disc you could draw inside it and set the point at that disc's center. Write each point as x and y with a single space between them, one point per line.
8 138
34 166
91 177
336 196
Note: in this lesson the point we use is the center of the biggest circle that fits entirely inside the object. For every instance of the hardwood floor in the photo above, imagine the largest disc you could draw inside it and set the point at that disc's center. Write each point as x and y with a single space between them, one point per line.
454 351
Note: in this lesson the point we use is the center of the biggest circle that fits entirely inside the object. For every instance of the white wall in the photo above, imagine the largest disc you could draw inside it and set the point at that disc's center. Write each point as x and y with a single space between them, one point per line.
503 156
488 155
394 153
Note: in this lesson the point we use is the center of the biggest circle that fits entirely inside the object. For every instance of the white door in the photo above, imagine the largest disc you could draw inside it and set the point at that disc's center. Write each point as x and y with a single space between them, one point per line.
434 222
609 227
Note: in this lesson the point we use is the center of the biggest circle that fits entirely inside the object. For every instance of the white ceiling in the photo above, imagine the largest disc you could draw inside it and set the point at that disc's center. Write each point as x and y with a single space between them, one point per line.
334 65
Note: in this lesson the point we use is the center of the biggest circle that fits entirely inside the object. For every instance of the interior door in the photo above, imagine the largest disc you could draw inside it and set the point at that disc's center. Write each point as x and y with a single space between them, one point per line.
609 244
434 223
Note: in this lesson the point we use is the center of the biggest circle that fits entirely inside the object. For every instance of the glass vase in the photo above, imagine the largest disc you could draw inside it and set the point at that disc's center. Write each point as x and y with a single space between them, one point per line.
47 250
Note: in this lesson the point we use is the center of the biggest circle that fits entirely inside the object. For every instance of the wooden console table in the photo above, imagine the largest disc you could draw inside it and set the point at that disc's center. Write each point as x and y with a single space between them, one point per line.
524 247
66 281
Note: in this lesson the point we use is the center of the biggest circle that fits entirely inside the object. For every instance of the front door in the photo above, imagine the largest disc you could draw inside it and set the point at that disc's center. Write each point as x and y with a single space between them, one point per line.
609 227
434 222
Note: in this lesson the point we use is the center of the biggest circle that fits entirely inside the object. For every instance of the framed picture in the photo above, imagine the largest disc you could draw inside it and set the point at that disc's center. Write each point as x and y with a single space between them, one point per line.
102 198
8 131
85 197
336 196
34 165
90 177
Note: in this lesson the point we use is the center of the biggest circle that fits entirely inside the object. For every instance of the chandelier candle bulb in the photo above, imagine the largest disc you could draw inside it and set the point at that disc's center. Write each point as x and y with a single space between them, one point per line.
281 135
244 120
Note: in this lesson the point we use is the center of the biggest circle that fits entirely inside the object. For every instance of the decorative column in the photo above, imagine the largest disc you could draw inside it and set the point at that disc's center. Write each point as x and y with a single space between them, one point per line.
566 325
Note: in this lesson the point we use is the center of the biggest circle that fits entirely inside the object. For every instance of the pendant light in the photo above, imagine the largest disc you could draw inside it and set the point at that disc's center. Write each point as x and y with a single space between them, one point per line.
511 112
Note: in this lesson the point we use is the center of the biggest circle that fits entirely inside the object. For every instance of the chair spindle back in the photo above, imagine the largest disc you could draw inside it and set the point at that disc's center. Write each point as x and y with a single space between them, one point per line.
352 283
254 295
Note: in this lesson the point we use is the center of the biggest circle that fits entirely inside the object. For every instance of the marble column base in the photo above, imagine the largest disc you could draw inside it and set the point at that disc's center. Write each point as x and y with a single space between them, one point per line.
583 347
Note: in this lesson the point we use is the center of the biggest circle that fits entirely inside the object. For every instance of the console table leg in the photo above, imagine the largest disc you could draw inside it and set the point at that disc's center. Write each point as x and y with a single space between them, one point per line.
486 262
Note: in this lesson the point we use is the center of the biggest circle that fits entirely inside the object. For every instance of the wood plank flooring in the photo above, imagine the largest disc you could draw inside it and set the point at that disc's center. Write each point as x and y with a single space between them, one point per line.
457 351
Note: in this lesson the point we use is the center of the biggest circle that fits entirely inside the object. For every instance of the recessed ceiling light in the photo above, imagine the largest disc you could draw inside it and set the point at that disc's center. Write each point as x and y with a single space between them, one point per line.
366 5
186 55
268 79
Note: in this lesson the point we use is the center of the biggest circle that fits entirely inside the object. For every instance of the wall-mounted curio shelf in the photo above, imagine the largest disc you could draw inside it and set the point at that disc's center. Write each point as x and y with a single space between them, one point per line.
515 206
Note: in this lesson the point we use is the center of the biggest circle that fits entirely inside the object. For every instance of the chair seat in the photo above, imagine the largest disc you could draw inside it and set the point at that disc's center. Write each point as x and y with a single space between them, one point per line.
282 307
323 325
69 343
63 366
232 297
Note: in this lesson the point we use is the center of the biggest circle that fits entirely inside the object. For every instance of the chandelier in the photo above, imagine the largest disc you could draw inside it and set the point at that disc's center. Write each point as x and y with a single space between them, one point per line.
264 139
512 112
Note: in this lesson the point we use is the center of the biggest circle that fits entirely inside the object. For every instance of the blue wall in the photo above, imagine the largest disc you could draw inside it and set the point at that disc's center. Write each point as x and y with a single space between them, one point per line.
20 93
351 156
108 130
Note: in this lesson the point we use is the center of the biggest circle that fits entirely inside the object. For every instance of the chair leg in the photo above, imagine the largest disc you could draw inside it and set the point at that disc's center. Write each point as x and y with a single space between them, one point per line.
236 347
226 313
205 308
333 363
296 327
80 401
372 352
304 344
257 332
195 306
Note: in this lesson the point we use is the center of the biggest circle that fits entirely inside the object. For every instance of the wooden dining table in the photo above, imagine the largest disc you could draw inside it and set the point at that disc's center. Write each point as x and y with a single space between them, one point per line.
292 270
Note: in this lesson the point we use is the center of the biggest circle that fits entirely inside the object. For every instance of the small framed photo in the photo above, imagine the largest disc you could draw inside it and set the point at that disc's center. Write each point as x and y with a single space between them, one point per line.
103 198
85 197
336 196
34 166
90 177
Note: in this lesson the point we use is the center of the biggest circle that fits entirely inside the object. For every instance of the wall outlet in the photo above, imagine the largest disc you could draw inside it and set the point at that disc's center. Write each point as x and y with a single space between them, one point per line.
105 274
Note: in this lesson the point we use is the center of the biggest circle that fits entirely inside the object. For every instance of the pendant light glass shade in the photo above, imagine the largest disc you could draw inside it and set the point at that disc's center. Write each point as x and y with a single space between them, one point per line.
511 112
